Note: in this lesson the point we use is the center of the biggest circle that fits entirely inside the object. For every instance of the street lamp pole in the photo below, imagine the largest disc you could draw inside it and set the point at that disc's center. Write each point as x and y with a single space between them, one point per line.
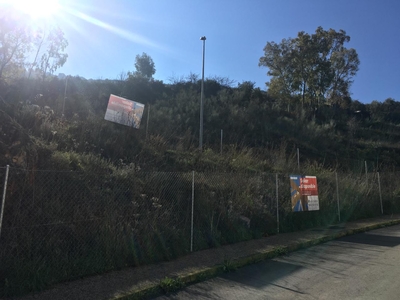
203 38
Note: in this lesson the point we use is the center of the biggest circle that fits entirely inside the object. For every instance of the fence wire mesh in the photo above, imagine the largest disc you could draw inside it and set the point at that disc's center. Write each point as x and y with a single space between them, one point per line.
390 187
232 207
63 224
60 225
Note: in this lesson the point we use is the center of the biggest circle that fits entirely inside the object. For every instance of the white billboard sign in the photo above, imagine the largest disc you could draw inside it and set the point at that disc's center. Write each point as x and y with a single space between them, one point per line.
124 111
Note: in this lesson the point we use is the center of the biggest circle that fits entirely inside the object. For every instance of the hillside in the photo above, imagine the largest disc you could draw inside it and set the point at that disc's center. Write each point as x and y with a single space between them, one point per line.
254 125
100 196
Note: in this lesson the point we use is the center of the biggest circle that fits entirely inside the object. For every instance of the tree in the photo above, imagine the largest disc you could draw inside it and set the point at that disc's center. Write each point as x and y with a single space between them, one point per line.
144 65
18 37
54 57
15 43
38 41
313 68
345 65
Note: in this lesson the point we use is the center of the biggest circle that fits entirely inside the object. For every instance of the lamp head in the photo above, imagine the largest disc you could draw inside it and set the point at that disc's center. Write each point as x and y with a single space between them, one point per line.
203 38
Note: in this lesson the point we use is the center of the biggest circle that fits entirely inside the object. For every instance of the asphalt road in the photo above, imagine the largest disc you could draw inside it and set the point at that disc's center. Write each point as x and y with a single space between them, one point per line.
362 266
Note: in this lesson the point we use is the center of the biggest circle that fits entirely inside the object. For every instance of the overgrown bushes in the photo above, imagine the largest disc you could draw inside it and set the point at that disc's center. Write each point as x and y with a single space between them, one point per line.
60 225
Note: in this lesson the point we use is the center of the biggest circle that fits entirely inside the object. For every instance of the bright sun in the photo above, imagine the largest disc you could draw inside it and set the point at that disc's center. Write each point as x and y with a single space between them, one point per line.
36 9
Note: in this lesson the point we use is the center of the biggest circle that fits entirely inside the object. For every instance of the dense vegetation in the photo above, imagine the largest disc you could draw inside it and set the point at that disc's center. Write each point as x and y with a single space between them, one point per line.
122 206
252 121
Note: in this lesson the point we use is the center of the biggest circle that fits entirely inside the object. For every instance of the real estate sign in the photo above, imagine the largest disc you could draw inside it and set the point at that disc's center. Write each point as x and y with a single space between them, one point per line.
304 193
124 111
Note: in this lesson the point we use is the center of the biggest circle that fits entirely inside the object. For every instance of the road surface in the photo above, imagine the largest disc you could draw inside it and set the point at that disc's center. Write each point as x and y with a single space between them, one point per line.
362 266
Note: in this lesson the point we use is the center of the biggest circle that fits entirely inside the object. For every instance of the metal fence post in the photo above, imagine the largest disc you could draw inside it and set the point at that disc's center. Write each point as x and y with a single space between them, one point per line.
337 194
191 222
277 202
298 159
222 134
380 192
4 197
147 121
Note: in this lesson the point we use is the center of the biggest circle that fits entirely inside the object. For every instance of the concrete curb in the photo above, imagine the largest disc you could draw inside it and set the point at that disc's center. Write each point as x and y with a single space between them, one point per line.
155 290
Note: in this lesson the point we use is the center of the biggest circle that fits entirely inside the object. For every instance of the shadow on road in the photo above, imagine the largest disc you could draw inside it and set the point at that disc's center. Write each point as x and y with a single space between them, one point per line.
372 239
263 274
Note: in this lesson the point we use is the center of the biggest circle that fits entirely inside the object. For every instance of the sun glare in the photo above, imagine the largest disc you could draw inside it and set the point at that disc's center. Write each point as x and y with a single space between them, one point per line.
36 9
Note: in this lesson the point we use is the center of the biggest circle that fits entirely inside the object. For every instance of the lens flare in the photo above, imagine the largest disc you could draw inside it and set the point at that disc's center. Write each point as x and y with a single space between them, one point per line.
35 9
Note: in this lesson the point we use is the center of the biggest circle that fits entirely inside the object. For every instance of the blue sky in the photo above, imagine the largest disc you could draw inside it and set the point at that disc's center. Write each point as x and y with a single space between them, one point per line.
105 36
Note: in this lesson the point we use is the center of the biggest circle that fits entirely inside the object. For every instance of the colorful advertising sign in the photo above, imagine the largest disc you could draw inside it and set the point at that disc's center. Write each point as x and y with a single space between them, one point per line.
304 193
124 111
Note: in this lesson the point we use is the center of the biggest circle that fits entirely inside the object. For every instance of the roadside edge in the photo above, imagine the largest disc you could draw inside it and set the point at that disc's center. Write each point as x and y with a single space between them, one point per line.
200 275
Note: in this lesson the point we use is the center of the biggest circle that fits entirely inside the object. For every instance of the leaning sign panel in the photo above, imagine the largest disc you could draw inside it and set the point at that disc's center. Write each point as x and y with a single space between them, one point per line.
304 193
124 111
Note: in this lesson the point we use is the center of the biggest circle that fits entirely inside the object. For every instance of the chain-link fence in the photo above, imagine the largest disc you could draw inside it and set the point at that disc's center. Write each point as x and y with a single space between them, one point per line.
232 207
60 225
